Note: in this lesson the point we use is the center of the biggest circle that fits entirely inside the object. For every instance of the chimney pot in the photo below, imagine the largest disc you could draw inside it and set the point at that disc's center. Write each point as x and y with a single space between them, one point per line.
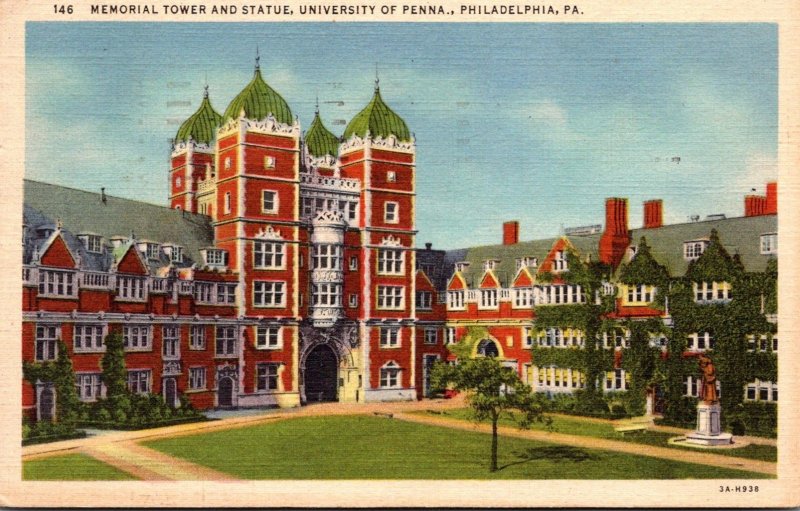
428 246
653 213
771 203
511 232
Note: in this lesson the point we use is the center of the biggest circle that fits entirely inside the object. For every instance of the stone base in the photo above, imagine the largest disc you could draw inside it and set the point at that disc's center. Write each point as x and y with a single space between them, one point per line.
702 439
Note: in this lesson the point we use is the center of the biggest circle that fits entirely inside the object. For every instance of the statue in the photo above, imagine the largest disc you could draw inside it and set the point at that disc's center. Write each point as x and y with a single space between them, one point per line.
708 391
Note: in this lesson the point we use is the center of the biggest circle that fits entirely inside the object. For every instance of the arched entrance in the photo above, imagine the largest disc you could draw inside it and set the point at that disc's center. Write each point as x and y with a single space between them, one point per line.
225 392
488 348
321 375
170 392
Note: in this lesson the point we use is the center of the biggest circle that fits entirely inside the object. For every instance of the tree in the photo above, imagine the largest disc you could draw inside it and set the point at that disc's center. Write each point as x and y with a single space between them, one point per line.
492 391
114 375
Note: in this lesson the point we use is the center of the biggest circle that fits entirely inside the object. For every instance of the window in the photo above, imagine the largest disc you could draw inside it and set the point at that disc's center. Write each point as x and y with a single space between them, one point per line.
455 299
227 204
527 336
693 249
87 337
226 341
390 375
197 378
269 162
556 295
390 212
326 257
430 336
89 386
390 261
558 379
215 257
769 243
139 381
203 291
152 250
269 201
228 162
171 341
353 263
700 342
451 335
352 210
197 337
761 391
308 206
488 299
616 338
390 297
353 301
266 376
268 337
390 337
762 343
327 294
92 242
226 294
178 182
523 297
616 380
640 294
424 300
269 294
176 256
57 283
269 254
130 288
46 342
136 337
560 262
709 292
391 176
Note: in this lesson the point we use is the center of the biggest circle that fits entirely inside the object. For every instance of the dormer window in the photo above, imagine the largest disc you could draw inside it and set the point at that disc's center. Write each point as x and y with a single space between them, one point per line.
526 262
153 250
560 262
92 242
174 252
693 249
490 264
462 266
214 256
769 243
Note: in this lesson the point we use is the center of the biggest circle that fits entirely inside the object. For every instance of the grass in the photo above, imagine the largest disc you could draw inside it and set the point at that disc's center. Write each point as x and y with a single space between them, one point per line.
362 447
71 467
577 426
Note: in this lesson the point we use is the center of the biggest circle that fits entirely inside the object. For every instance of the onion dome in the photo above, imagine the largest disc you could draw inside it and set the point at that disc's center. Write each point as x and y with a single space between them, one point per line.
379 120
201 126
259 100
319 141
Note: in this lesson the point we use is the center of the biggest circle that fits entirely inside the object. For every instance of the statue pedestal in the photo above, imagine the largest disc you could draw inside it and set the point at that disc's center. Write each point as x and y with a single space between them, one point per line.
708 429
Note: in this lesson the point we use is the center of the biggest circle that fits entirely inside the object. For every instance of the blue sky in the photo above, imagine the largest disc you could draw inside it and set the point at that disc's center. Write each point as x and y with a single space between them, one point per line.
533 122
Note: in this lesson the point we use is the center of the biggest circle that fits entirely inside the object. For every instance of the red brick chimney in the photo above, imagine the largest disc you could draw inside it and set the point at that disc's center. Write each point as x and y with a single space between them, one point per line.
653 214
511 232
616 238
754 205
771 206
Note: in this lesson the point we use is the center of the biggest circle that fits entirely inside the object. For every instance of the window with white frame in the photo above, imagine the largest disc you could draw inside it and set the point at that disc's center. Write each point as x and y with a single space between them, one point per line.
171 341
390 375
266 376
89 386
153 250
391 176
87 337
390 261
215 257
710 292
352 210
92 242
455 299
268 337
226 294
353 263
692 386
694 249
269 201
451 335
329 295
227 163
616 338
640 293
574 337
390 337
308 206
325 256
762 343
558 294
139 381
391 212
197 378
131 288
269 162
203 291
137 337
523 297
430 336
269 294
558 379
488 299
269 254
226 341
391 297
761 391
353 301
197 337
616 380
769 243
560 261
227 204
528 338
701 341
47 342
424 300
57 283
176 255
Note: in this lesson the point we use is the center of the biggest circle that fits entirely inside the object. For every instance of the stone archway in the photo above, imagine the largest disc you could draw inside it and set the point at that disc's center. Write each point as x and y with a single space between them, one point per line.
225 389
321 374
488 348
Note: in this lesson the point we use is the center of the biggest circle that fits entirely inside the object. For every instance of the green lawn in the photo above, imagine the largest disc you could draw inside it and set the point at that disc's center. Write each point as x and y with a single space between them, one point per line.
577 426
71 467
363 447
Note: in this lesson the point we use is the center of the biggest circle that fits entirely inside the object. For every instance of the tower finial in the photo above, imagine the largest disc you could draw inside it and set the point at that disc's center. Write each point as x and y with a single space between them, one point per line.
205 92
258 58
377 79
316 107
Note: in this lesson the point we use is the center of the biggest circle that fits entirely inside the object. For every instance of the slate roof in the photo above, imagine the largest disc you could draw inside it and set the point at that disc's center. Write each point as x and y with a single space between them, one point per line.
83 212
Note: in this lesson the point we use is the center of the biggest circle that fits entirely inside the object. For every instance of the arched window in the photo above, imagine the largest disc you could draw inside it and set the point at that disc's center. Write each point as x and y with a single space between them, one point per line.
488 348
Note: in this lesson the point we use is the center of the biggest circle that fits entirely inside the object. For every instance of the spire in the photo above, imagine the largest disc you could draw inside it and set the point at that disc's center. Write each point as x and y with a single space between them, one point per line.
258 59
377 79
205 92
316 107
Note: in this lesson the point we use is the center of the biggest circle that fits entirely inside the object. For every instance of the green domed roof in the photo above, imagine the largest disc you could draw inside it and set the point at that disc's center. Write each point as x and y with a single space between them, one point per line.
258 101
202 124
379 120
320 141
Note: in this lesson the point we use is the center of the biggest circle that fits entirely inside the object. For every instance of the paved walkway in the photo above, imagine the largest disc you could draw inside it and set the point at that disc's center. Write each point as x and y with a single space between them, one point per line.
122 450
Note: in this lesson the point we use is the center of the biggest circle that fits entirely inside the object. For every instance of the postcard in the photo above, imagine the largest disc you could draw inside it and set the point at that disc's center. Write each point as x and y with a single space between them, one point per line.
399 254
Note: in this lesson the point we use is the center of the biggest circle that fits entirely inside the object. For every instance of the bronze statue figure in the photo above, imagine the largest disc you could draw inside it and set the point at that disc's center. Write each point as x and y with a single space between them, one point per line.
708 391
